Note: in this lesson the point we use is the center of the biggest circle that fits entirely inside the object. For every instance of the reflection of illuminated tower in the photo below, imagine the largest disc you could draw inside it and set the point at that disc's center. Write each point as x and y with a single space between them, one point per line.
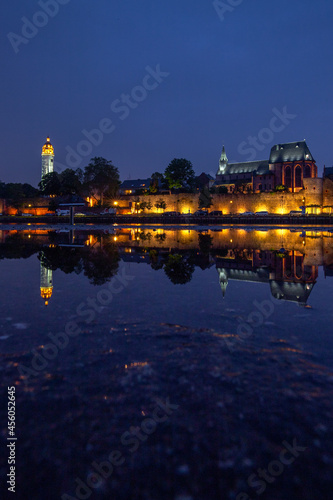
47 157
223 278
46 286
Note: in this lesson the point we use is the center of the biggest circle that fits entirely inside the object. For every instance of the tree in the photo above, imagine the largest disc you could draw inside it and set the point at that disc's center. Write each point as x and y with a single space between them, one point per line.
53 205
280 188
16 193
50 184
205 243
205 198
179 269
70 181
29 191
145 236
156 178
143 206
160 204
101 265
101 178
180 174
160 237
66 183
240 187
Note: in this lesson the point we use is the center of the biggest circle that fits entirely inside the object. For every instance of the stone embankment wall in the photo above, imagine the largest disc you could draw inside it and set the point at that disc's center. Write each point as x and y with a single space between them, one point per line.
279 203
328 193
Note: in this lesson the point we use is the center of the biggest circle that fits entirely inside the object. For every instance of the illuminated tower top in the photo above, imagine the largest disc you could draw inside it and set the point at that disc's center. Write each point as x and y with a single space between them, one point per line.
47 157
47 148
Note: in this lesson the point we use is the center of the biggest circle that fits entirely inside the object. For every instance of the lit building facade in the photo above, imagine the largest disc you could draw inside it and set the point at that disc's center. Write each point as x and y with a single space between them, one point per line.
289 164
47 158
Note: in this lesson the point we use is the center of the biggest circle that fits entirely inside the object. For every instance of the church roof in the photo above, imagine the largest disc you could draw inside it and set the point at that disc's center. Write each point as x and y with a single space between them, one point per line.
290 151
261 167
292 292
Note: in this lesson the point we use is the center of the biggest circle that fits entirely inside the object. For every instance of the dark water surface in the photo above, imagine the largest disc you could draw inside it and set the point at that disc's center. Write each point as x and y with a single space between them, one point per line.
168 364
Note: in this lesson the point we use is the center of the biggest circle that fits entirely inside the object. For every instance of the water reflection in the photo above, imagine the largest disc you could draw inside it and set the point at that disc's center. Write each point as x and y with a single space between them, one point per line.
286 261
46 284
286 273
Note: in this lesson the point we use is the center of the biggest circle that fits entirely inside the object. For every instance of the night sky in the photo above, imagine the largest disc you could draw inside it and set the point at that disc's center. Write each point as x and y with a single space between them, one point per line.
220 76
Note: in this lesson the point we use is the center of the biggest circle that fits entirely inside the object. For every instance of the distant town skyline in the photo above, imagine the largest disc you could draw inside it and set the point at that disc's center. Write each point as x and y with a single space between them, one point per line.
141 84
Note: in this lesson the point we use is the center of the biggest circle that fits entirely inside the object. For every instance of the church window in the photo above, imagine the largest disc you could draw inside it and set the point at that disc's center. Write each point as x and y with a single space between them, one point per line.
298 176
299 267
287 176
307 171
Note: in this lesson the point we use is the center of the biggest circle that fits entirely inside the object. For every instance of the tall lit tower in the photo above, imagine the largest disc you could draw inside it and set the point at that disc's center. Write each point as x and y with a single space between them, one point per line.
46 283
47 157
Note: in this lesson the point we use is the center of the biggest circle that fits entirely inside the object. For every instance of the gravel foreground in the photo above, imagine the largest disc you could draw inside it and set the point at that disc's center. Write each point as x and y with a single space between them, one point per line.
233 411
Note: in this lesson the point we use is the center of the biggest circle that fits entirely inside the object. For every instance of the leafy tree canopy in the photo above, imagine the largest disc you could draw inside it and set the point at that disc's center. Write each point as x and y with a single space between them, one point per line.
101 178
66 183
16 193
205 198
50 184
180 174
280 188
179 269
161 204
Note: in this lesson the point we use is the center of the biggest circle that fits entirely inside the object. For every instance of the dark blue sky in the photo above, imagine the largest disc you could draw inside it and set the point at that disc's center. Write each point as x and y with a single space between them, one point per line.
225 78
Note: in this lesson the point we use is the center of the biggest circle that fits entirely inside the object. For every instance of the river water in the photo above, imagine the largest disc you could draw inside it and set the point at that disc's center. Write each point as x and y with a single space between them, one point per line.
155 363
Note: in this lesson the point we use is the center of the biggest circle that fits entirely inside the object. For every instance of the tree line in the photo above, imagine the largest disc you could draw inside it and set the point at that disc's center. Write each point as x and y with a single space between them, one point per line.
100 180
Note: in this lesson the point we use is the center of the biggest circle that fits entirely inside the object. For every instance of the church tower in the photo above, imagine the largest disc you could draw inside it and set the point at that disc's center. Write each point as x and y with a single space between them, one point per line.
46 284
223 163
223 279
47 158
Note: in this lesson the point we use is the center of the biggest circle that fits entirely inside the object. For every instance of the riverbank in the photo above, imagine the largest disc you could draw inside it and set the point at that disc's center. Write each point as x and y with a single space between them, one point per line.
234 219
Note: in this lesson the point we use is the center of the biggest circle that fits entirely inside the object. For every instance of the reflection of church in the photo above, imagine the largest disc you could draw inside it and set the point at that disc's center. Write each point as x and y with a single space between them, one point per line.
46 283
289 278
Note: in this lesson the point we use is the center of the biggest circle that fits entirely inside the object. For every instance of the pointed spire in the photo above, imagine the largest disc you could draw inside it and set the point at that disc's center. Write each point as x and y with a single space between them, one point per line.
223 162
224 155
223 279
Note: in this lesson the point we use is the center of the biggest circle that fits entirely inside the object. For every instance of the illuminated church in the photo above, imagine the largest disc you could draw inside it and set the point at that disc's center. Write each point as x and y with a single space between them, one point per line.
47 158
289 164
